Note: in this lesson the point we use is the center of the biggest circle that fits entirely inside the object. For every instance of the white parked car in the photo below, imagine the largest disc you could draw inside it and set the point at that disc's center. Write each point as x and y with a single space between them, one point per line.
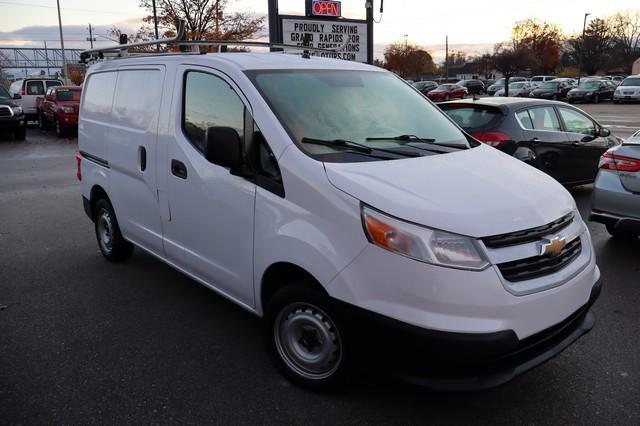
30 89
628 90
337 203
518 89
537 80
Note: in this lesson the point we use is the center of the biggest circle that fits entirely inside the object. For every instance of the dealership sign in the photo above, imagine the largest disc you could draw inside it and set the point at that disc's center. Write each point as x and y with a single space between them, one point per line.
326 8
347 38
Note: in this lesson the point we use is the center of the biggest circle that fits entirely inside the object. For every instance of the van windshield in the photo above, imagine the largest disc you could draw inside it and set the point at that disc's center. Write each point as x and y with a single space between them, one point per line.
356 106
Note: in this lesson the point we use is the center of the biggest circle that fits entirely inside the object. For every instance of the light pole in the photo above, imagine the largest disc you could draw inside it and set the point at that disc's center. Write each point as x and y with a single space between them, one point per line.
584 26
64 60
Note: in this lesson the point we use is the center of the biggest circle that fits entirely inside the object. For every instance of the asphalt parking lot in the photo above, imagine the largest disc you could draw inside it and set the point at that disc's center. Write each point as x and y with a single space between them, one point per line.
86 341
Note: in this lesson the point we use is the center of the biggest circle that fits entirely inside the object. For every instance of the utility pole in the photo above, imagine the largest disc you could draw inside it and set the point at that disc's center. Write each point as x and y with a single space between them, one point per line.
155 23
64 60
584 26
446 57
91 39
369 7
46 57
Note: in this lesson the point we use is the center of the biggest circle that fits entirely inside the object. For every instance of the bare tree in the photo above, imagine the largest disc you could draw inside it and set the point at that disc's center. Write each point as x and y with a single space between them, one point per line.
509 61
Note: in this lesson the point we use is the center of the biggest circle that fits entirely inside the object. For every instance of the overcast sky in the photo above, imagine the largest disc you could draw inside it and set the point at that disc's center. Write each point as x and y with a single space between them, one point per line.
472 26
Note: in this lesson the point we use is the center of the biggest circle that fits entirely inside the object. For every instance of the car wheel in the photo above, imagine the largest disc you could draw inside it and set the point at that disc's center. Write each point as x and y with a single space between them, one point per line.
446 98
20 134
42 123
621 234
596 99
112 245
59 129
616 102
303 336
554 97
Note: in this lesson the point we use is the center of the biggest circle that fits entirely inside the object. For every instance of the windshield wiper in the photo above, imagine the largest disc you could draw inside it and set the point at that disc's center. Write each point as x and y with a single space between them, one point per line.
408 139
355 146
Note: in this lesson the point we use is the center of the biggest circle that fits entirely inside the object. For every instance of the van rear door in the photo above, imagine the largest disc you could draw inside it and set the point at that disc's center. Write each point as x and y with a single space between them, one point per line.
132 138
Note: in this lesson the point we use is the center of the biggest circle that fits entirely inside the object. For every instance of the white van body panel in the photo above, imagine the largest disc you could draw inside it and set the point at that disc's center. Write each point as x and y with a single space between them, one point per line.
463 192
28 101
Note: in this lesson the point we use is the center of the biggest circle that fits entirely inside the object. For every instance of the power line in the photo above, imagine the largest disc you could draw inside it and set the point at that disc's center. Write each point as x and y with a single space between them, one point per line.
67 8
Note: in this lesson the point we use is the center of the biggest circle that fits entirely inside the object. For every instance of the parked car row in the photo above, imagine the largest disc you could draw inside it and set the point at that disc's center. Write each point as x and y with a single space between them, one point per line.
46 100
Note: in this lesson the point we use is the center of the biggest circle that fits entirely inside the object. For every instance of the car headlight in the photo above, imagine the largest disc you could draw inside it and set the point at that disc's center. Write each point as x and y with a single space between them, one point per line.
67 110
589 93
421 243
17 110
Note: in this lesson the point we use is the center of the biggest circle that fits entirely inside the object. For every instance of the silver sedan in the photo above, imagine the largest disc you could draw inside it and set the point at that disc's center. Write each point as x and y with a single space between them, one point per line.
615 201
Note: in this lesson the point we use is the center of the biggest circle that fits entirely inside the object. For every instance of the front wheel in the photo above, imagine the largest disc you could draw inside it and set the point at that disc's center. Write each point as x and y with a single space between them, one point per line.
112 245
304 338
60 132
621 234
596 99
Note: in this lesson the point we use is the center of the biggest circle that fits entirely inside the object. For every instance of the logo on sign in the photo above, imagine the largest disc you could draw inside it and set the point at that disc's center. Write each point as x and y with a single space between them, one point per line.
326 8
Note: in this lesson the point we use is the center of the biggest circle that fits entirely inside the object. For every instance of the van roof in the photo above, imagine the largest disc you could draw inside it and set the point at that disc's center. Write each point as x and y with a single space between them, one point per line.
244 61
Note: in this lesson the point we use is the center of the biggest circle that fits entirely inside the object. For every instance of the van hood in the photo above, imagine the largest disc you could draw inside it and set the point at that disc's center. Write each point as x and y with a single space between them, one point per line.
476 192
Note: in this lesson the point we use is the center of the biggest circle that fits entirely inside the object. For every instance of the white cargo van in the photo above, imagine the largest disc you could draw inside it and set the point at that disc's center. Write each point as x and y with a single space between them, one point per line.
336 202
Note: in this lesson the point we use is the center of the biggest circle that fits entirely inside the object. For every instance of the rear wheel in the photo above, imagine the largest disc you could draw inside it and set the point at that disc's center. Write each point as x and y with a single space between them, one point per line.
41 122
303 336
596 99
555 97
621 234
112 245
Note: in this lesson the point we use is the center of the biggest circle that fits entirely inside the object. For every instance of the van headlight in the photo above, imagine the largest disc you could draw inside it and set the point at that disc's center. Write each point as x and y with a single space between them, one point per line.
420 243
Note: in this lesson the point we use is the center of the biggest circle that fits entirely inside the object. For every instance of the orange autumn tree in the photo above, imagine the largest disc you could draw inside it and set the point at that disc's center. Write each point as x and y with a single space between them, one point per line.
542 39
408 60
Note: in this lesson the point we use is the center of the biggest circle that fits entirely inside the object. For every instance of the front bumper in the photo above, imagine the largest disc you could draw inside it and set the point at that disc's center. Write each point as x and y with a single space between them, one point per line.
68 120
621 97
11 124
455 361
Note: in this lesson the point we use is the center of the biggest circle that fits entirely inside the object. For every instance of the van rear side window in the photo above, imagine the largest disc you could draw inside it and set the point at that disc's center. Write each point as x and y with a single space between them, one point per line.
137 100
98 96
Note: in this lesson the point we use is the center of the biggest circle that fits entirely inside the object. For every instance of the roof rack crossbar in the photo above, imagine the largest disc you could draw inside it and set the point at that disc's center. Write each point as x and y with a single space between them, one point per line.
178 40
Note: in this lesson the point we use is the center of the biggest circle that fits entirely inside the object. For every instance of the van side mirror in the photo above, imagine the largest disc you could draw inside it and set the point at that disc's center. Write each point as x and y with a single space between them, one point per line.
223 147
603 132
17 96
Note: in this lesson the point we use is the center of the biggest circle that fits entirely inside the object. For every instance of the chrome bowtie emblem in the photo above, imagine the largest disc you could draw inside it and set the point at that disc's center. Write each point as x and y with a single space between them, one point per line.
552 246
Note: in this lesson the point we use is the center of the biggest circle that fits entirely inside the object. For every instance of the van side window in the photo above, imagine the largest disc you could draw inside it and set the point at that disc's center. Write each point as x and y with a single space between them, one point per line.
129 108
209 101
98 95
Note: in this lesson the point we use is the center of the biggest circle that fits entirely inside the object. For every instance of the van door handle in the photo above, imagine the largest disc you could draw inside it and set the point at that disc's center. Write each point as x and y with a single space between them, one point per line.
143 158
535 140
178 169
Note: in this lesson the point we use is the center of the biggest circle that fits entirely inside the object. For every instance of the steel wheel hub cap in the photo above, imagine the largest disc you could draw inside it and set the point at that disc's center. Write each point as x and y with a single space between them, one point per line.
308 341
105 231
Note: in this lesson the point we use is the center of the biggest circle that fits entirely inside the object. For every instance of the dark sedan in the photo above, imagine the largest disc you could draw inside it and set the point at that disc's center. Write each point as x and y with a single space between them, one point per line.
552 90
591 91
473 86
425 86
557 138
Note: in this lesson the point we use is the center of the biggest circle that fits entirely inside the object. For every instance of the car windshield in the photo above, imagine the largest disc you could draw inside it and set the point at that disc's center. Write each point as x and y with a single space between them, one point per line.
631 82
445 87
334 105
516 85
549 85
4 94
68 95
499 82
589 85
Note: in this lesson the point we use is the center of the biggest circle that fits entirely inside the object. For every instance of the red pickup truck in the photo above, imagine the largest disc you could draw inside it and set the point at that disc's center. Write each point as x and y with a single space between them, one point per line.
59 108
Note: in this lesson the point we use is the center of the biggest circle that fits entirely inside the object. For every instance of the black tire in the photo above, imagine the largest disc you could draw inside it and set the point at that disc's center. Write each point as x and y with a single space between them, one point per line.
297 309
596 98
20 134
621 234
110 241
555 97
42 122
60 131
615 102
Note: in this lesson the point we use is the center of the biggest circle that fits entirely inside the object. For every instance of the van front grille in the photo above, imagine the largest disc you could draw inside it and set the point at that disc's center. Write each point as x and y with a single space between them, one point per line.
527 235
539 266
